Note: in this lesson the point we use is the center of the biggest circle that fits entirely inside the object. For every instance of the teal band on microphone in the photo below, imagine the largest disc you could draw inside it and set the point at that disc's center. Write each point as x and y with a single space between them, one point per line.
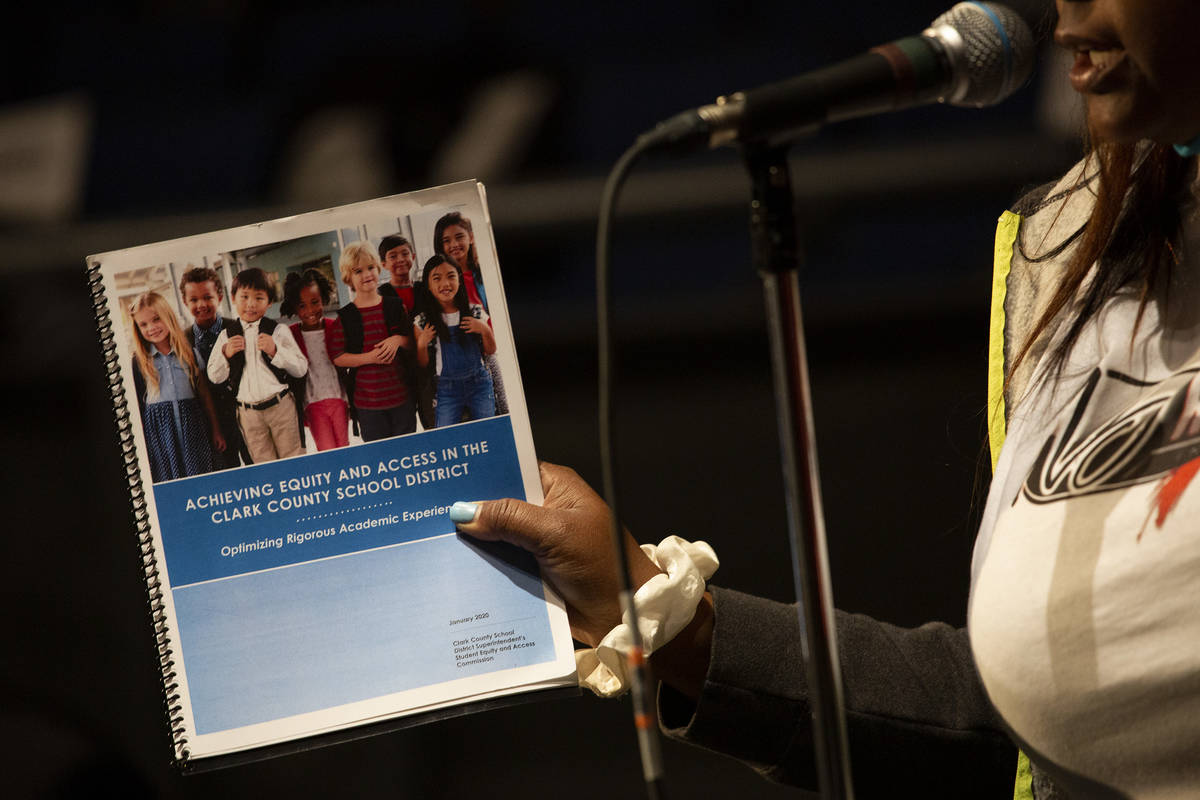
1188 149
1008 54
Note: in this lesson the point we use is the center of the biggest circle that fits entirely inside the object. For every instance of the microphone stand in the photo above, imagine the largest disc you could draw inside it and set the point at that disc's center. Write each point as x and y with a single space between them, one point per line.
776 256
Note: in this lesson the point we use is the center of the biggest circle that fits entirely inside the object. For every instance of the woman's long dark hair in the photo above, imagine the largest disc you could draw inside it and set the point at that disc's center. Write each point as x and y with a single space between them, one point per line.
1132 232
428 305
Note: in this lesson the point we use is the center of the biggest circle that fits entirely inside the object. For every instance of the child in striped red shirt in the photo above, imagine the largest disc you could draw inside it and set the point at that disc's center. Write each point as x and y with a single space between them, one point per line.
371 340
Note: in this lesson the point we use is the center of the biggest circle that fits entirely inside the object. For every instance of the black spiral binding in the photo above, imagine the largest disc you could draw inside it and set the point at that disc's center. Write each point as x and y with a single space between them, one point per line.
137 493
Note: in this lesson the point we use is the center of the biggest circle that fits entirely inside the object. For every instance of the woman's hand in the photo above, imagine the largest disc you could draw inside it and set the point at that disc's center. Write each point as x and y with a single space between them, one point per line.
571 539
218 441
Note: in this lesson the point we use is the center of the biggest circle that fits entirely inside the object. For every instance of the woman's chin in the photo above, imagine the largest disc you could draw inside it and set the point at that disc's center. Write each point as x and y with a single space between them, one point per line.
1116 119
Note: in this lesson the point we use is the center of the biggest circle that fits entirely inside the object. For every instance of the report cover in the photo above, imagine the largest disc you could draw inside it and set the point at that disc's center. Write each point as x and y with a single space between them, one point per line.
300 402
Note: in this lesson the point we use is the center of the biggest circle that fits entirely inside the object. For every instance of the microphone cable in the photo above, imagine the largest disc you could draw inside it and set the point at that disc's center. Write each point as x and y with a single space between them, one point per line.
681 133
642 685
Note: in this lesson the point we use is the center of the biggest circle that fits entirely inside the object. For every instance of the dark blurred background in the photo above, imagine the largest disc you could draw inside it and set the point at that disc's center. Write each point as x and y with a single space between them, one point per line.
122 124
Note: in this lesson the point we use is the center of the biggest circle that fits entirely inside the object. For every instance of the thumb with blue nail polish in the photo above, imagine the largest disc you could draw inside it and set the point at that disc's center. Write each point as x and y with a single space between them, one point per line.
462 512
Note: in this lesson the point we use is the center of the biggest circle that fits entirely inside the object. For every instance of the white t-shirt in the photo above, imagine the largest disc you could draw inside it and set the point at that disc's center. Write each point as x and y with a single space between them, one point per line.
1085 603
323 383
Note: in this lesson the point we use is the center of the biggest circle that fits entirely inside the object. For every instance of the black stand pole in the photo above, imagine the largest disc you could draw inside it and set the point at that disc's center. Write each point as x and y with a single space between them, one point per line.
777 259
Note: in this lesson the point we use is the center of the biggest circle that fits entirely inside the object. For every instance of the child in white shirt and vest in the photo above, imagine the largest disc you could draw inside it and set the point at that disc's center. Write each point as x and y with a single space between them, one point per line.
258 362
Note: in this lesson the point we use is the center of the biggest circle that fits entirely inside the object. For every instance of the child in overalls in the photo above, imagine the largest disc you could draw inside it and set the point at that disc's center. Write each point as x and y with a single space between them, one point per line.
459 336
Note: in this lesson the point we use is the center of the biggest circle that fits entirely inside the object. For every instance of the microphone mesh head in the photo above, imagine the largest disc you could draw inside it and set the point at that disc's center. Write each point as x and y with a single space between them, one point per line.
996 52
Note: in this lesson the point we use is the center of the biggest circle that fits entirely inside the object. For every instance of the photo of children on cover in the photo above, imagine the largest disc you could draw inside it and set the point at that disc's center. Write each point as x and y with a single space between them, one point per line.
309 344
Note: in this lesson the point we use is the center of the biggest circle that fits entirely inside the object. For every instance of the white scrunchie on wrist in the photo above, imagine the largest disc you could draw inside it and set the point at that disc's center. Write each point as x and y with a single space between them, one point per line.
665 605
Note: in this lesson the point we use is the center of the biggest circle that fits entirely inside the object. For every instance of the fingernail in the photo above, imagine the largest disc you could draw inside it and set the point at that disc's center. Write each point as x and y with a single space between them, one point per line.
463 512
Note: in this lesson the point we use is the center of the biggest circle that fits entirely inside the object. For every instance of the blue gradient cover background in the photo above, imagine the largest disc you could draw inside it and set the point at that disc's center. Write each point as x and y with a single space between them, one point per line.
311 636
286 630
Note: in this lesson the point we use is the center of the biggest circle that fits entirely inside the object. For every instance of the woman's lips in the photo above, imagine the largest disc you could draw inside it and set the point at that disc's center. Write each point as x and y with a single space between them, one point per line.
1094 70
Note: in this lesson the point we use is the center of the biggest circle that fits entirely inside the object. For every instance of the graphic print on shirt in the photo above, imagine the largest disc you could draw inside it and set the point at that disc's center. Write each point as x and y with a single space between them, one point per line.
1158 438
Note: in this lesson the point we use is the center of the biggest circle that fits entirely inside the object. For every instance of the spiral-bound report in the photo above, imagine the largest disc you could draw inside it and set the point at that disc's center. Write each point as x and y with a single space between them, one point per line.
299 403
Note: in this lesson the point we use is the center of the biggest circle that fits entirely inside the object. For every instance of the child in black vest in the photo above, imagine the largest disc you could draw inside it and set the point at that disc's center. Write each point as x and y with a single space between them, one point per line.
372 341
201 291
257 356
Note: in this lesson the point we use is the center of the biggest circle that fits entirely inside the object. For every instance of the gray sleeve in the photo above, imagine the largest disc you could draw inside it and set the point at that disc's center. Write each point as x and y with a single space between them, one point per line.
918 721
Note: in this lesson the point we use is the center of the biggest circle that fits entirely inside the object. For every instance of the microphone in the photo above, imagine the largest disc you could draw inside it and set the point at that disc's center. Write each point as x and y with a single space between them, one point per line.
974 55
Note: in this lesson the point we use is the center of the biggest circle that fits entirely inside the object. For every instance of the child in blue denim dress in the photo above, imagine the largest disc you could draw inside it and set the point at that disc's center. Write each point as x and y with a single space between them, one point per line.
453 335
179 419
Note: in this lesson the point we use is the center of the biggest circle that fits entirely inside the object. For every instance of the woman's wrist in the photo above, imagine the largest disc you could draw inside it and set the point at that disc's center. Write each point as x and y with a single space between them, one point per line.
667 603
683 662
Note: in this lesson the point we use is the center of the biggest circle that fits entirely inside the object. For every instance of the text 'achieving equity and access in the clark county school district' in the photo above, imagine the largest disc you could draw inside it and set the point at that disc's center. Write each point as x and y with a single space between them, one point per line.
368 481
